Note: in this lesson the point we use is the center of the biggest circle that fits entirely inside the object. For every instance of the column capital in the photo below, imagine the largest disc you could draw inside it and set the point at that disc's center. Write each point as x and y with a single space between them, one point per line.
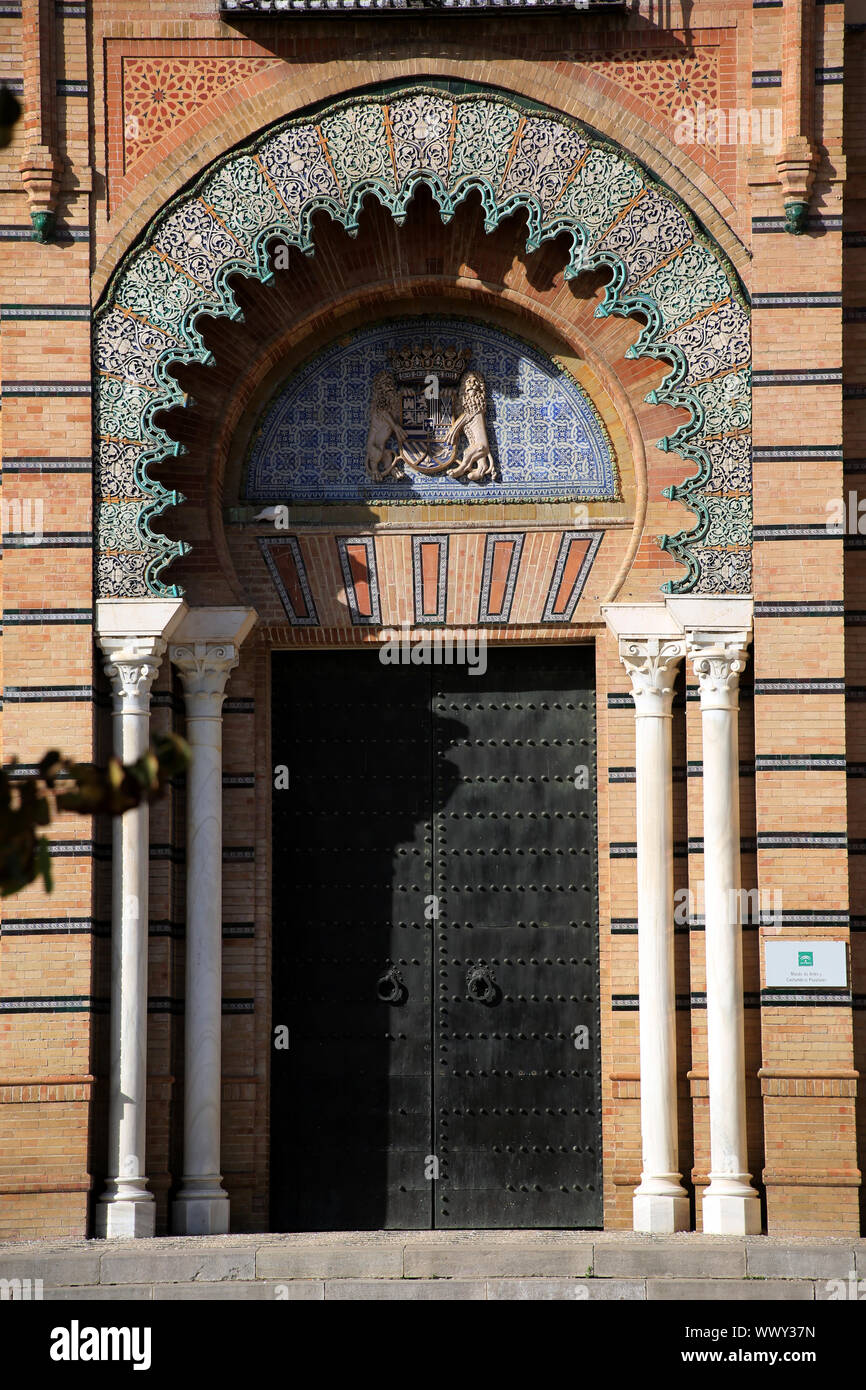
132 635
652 663
717 658
204 663
132 665
204 669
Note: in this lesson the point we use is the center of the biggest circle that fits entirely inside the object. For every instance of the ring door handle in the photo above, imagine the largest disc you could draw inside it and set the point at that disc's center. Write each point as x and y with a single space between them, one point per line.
481 985
390 987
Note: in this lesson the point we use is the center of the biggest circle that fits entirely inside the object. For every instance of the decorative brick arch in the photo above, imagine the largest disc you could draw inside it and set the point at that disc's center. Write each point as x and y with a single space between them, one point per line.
517 155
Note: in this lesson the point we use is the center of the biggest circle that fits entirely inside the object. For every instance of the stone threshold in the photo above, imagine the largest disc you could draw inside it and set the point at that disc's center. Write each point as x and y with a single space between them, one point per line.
413 1265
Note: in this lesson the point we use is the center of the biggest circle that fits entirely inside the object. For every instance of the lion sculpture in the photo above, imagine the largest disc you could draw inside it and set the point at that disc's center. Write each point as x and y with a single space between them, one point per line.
384 410
477 463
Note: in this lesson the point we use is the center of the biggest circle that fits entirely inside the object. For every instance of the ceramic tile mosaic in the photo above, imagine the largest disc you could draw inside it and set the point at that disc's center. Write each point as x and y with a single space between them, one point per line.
547 439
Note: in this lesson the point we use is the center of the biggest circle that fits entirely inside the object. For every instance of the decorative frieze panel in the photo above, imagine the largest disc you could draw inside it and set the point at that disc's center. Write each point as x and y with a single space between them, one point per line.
516 156
286 568
160 91
358 565
430 578
502 551
493 578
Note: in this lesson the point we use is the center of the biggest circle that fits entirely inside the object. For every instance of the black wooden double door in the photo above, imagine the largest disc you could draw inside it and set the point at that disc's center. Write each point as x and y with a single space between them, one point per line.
435 943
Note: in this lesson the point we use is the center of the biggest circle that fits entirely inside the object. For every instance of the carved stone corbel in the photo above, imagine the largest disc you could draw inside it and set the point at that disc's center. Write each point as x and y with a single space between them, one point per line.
798 159
40 164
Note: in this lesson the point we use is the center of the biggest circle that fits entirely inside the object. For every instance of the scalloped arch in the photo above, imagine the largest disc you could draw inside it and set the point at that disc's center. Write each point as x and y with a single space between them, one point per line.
518 156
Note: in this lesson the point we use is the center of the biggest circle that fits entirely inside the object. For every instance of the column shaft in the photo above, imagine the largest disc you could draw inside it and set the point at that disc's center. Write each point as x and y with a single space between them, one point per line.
202 1204
730 1204
661 1203
203 1011
126 1208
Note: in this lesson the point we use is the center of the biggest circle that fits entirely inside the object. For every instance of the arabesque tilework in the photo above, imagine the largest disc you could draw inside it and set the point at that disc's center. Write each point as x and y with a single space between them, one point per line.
516 156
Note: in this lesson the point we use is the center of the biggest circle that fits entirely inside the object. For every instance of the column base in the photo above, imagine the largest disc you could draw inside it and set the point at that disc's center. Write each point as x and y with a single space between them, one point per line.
728 1215
200 1216
659 1215
125 1220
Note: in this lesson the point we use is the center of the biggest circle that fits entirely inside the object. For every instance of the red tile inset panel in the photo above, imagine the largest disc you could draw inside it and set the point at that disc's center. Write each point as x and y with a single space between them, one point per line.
502 553
430 577
358 563
577 550
286 567
357 557
501 562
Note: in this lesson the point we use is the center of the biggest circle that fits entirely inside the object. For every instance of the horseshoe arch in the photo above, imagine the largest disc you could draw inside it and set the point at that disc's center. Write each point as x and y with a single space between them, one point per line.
517 155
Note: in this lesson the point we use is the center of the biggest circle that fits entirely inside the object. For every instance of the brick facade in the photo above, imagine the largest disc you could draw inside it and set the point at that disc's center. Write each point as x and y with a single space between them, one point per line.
133 104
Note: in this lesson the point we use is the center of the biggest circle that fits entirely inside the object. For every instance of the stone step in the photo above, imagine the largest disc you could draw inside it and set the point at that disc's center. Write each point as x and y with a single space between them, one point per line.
420 1265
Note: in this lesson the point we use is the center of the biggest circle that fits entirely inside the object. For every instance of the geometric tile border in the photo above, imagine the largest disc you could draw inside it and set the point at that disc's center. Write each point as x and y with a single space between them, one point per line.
286 566
360 576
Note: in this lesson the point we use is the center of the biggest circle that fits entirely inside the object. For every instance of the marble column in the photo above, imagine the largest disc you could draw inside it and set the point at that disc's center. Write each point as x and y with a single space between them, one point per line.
205 663
660 1203
127 1208
731 1205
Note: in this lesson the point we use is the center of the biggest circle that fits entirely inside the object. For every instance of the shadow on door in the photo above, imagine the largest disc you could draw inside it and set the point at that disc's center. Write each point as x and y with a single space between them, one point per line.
435 944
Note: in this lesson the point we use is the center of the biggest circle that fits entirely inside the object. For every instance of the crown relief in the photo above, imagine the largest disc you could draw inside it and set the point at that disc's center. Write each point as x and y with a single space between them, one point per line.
447 362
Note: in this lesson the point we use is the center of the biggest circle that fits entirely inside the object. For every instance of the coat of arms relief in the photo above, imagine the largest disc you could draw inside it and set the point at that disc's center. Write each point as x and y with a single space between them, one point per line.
420 410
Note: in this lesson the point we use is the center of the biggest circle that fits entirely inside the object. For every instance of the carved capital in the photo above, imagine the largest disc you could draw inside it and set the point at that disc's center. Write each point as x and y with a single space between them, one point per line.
132 665
204 669
652 664
717 660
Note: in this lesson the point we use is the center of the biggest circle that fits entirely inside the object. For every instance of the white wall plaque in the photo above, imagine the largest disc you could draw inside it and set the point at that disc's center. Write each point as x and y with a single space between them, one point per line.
806 964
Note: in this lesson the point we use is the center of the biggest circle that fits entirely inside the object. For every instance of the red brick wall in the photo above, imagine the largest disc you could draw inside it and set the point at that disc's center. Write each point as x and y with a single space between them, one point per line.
128 150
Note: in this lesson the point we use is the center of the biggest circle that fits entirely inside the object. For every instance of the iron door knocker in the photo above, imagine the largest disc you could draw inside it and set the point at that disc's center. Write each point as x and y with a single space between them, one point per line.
482 986
390 987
